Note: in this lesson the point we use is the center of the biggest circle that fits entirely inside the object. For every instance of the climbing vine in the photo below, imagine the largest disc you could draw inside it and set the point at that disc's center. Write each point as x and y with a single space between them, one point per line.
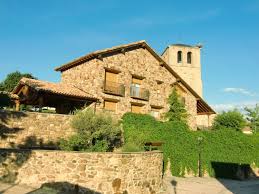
181 145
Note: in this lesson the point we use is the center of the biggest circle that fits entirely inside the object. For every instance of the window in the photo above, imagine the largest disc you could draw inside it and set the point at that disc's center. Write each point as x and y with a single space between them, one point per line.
189 57
155 112
111 77
136 108
109 105
111 84
179 56
182 99
135 87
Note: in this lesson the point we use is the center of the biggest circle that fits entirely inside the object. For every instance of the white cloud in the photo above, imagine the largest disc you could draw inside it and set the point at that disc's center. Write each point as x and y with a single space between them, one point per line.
236 105
239 91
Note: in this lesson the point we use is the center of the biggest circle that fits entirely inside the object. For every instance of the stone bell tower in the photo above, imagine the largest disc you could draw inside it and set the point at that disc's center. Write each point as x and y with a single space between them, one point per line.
185 60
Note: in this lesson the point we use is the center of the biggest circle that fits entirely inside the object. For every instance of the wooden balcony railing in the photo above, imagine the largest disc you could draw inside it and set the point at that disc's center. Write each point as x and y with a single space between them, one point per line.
139 92
114 88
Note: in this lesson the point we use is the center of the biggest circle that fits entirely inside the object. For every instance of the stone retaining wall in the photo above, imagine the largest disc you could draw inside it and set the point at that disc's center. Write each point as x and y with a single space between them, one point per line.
108 173
30 129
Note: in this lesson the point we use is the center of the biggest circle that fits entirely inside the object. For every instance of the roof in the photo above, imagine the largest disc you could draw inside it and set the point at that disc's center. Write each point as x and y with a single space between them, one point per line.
11 95
205 107
96 54
184 45
54 88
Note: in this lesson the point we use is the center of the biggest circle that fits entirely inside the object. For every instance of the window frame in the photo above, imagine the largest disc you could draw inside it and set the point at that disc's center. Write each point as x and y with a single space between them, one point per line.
189 57
179 57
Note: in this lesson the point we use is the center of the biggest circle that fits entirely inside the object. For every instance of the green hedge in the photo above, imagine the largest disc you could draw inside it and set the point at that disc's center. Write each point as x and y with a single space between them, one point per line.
181 145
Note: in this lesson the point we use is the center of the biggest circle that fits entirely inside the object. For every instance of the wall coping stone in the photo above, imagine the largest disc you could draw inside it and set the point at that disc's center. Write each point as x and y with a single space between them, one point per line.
79 152
40 113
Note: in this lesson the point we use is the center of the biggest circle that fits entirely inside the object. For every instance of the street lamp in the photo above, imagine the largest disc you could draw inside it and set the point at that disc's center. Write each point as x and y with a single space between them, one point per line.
200 149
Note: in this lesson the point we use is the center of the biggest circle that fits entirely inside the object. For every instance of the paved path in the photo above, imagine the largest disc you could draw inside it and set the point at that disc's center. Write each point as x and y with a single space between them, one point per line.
176 185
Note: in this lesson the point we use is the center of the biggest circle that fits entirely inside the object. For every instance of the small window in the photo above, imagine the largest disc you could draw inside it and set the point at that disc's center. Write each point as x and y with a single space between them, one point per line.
155 112
189 57
136 108
183 100
179 57
109 105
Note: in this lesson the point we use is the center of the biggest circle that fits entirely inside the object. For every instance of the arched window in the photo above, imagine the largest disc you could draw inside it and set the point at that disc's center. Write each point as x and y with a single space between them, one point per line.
179 57
189 57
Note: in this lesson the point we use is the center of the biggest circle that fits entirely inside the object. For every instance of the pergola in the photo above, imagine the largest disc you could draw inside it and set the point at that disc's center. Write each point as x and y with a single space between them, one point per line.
65 98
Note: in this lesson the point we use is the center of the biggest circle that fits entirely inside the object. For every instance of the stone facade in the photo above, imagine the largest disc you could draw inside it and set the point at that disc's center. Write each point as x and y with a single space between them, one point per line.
90 77
107 173
190 72
32 129
205 121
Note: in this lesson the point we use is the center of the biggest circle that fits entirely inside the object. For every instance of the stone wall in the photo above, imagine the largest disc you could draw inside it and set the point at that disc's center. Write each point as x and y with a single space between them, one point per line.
205 121
139 62
30 129
106 173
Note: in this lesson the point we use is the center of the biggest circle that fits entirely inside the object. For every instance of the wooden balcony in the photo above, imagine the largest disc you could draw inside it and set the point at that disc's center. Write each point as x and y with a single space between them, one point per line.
114 88
139 93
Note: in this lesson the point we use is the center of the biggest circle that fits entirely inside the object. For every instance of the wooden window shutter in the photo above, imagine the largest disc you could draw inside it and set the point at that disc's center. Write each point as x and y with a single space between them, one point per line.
108 105
111 77
136 108
136 81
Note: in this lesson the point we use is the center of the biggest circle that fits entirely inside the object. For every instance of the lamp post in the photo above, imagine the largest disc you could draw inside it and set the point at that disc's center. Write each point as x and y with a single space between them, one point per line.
199 163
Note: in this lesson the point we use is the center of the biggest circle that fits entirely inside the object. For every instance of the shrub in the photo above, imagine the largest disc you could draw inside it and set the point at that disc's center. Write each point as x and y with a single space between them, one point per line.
95 132
230 120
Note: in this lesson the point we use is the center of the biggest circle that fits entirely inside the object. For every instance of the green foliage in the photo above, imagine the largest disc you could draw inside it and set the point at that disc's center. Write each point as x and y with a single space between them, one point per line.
253 118
181 146
12 80
231 119
5 100
177 111
95 132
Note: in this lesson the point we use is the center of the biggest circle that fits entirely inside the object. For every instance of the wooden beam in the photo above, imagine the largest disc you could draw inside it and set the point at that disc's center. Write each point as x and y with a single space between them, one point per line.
100 57
161 63
17 105
123 50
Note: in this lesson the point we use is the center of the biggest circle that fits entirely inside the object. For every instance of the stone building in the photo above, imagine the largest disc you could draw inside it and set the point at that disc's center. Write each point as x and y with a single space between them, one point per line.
125 78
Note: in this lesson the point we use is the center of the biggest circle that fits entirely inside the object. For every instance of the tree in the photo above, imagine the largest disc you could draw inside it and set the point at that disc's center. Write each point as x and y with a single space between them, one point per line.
177 111
12 80
253 118
4 100
231 119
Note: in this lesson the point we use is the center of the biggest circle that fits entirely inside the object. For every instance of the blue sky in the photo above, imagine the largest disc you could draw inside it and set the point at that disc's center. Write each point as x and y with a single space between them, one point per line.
37 36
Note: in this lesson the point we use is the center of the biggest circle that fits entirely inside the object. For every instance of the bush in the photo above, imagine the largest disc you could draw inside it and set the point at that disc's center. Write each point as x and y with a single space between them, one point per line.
230 120
95 132
181 146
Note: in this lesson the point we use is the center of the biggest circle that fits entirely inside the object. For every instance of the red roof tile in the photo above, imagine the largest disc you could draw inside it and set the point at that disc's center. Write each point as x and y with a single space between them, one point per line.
55 88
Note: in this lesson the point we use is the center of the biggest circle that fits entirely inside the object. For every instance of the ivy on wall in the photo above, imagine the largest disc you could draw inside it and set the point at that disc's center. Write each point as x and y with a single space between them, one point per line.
181 146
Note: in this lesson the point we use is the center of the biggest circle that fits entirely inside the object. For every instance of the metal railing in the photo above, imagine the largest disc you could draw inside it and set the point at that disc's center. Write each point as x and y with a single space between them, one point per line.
139 92
114 88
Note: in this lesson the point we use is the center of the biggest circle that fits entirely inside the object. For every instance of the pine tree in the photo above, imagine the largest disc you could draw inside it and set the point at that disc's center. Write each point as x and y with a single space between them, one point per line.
177 111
